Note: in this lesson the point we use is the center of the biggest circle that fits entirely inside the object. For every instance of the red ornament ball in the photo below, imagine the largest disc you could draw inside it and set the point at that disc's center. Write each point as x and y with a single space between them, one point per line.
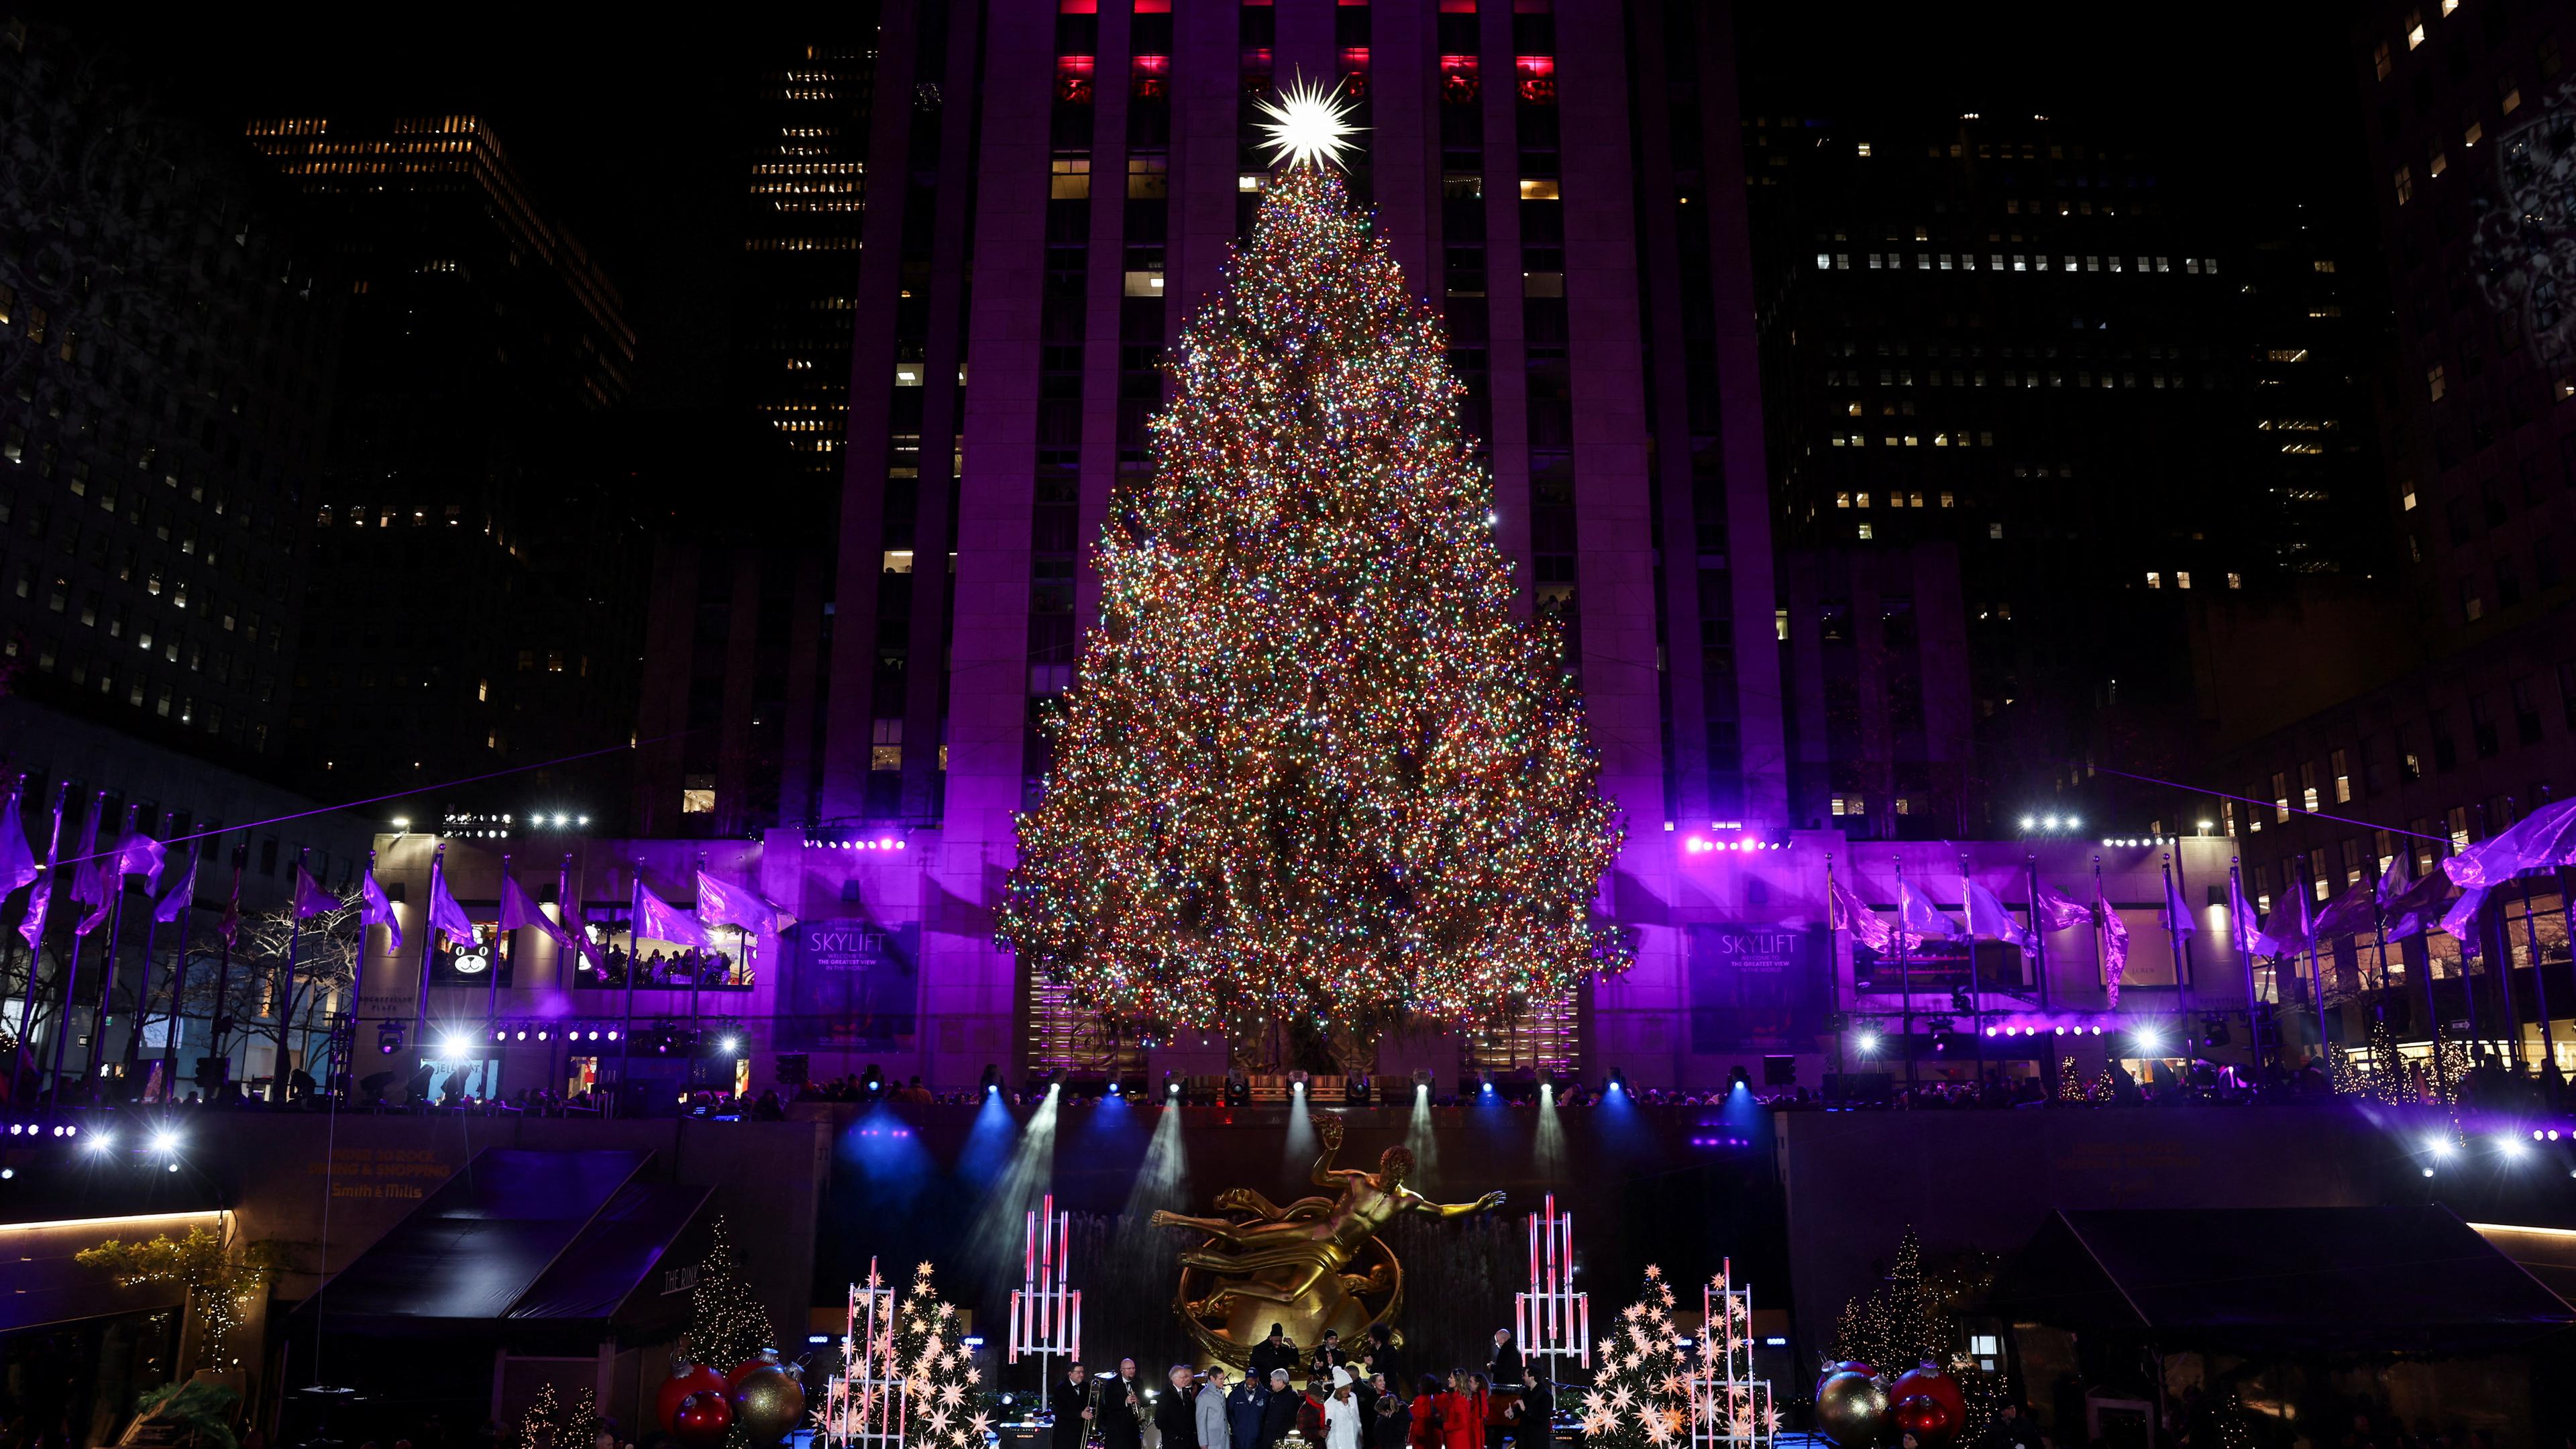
1935 1385
685 1379
702 1419
1926 1419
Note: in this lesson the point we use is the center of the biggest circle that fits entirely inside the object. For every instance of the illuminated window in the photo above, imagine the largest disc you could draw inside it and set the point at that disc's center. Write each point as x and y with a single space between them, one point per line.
2182 578
1543 189
2414 28
2433 382
2405 186
2155 580
1144 284
2236 581
2508 94
1866 534
1148 178
2342 770
698 801
1842 500
2280 797
2475 133
1072 178
2439 164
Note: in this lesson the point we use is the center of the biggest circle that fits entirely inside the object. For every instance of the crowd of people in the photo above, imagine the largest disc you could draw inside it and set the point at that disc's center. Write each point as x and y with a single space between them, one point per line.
1355 1398
712 970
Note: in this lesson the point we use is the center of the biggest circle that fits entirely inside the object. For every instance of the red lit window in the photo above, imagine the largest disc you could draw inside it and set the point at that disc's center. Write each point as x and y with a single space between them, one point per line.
1077 7
1457 7
1458 79
1073 79
1153 77
1538 79
1153 7
1257 72
1353 63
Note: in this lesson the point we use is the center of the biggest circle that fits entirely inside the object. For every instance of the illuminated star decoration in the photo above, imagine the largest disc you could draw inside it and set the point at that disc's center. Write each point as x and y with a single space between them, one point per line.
1307 126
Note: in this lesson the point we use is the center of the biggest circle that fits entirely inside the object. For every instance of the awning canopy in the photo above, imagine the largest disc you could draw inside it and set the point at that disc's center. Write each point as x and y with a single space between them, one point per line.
2281 1280
521 1239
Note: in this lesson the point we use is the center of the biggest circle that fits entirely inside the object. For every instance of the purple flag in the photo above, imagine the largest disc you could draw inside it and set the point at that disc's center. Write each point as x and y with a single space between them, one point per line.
1988 916
720 904
174 904
2243 923
566 897
2355 910
2288 932
89 881
2544 838
2176 916
2057 911
445 916
41 895
310 899
520 911
17 863
2461 920
140 854
1922 920
2417 905
661 921
2115 945
379 910
1844 912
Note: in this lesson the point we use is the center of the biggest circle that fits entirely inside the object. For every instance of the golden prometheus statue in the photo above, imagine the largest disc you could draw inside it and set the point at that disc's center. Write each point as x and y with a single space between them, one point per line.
1315 1264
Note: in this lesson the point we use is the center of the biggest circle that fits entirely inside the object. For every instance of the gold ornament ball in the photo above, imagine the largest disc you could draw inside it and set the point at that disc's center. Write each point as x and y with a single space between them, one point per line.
1851 1409
767 1403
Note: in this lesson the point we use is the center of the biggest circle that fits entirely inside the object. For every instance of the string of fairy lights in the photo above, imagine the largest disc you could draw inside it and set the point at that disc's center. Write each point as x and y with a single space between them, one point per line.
1311 766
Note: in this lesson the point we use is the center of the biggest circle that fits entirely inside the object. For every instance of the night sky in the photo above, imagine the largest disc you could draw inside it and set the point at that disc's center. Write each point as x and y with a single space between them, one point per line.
625 122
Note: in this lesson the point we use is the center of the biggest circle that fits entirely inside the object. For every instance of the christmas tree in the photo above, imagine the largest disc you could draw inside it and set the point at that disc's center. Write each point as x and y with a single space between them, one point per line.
727 1325
1641 1394
939 1372
1311 765
1898 1324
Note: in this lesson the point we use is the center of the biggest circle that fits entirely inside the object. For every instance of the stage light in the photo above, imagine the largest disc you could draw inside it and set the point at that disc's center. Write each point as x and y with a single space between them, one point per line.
1171 1089
730 1044
452 1046
102 1142
2150 1042
389 1037
523 1033
1487 1087
612 1035
1990 1031
1868 1043
2511 1148
1618 1085
1113 1089
165 1140
2428 1172
500 1034
541 1033
2073 823
2438 1146
7 1173
594 1035
2028 823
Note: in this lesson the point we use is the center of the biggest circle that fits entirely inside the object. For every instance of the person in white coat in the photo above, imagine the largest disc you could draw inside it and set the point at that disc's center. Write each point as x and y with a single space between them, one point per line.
1342 1414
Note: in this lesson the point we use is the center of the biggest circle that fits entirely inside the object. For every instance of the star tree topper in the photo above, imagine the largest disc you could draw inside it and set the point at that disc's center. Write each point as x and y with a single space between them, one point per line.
1308 126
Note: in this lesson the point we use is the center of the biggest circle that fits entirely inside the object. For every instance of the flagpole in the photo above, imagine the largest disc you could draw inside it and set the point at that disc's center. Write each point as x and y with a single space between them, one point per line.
2039 957
1833 983
2316 973
216 1020
71 975
41 907
277 1073
2181 896
492 986
634 960
697 977
112 880
2500 966
2539 987
2379 932
570 922
143 985
1905 974
178 991
2174 938
2245 962
1976 988
428 949
2433 1022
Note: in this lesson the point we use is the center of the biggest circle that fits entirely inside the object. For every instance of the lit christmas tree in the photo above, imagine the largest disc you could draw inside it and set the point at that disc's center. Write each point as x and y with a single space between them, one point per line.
1641 1393
727 1325
1311 764
1899 1323
939 1372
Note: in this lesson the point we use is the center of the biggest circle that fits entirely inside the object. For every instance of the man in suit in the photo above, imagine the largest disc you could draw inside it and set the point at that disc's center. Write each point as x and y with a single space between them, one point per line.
1122 1409
1279 1415
1211 1407
1176 1424
1274 1352
1070 1403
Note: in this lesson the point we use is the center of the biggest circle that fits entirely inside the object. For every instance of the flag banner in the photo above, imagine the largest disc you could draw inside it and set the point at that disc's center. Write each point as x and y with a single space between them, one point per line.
140 854
2242 921
2461 920
310 899
2288 932
568 901
2544 839
1922 920
17 862
2057 911
41 894
1988 916
229 927
2176 916
720 904
661 921
174 903
446 917
520 911
379 910
2115 945
2416 907
1844 912
2354 911
89 879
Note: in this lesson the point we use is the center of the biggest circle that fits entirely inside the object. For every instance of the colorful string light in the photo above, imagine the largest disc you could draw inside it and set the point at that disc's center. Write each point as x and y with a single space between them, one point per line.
1311 768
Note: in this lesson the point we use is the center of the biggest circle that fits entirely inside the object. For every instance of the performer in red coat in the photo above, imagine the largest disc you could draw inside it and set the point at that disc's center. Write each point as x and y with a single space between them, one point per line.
1426 1415
1462 1412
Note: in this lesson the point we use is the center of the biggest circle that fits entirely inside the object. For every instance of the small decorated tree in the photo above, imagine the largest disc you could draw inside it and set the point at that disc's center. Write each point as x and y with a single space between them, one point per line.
1641 1394
218 1283
727 1325
939 1372
1898 1324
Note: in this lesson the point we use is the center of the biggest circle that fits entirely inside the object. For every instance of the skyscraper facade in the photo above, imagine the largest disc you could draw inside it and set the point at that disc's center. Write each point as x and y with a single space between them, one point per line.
477 582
